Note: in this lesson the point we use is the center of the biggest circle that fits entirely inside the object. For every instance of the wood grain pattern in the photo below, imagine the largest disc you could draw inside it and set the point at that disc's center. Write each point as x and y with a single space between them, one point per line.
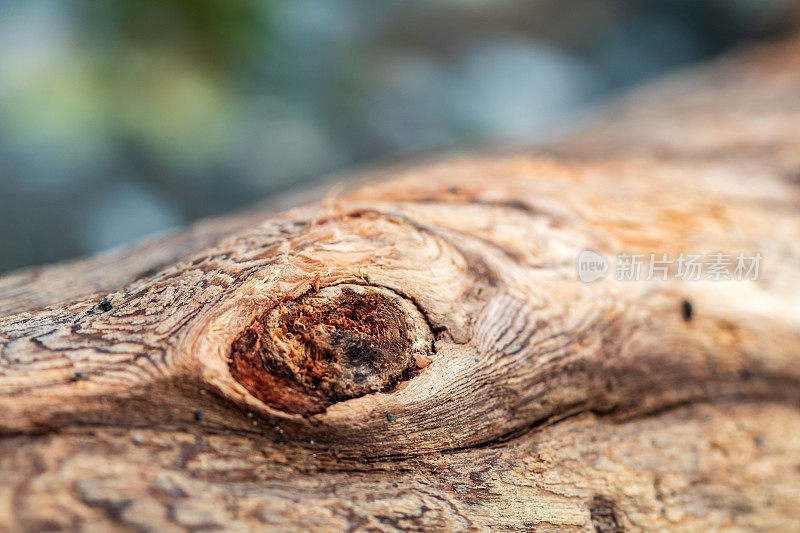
418 353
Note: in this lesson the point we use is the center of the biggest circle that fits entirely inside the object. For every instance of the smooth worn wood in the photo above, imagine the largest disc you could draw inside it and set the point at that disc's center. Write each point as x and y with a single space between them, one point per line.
417 352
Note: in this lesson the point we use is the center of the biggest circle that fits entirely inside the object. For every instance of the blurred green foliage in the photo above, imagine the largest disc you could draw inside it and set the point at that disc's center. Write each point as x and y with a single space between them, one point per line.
121 117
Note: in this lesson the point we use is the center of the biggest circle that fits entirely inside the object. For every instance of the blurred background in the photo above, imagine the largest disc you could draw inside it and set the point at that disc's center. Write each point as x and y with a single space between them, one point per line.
120 118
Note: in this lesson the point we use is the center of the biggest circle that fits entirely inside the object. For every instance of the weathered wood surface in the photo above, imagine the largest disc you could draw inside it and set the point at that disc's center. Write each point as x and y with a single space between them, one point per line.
417 352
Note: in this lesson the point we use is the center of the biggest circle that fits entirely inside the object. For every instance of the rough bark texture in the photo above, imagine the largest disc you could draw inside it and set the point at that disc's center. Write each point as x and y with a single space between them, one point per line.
417 353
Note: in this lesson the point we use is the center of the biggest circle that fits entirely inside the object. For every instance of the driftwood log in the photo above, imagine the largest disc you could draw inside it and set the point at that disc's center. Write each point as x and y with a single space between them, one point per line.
417 352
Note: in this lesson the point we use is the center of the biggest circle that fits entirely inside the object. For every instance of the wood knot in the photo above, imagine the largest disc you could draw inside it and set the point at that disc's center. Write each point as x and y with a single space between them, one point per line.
328 346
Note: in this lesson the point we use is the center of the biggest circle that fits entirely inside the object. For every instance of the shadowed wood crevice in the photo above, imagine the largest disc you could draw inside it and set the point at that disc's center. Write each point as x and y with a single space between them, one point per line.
604 515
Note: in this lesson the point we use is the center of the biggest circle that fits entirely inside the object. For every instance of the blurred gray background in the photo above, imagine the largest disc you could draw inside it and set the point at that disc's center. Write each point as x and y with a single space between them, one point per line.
120 118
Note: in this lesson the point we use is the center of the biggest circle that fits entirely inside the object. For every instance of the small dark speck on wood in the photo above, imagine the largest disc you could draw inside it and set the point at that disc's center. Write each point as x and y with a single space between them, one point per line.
687 310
